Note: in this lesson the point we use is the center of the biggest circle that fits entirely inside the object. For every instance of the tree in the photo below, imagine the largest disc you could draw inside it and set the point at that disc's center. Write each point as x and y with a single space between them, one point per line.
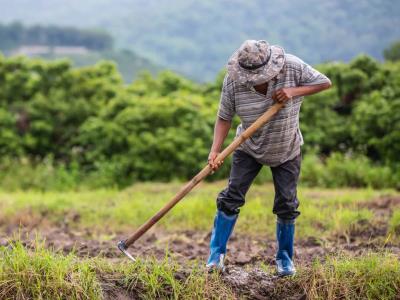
392 53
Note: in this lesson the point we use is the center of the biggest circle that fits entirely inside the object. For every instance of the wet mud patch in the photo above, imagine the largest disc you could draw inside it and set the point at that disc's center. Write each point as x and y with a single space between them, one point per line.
258 284
384 203
241 283
114 288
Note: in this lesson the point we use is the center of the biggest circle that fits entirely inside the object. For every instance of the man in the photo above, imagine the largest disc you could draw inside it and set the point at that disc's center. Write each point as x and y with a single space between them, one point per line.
258 75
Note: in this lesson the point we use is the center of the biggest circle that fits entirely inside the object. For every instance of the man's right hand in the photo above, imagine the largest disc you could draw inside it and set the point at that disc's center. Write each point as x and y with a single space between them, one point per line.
221 130
211 161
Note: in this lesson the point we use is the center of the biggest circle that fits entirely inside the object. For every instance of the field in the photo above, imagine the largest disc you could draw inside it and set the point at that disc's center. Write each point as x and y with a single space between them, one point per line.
86 158
63 245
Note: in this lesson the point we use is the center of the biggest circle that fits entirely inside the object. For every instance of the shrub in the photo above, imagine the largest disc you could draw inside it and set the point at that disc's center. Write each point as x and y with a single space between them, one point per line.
161 128
340 170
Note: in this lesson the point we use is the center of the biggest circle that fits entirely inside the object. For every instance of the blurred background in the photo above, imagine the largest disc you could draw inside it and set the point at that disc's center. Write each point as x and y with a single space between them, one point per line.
108 93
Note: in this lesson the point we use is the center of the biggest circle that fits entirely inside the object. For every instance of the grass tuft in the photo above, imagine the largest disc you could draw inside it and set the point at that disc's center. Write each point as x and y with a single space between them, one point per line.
372 276
345 222
394 223
41 274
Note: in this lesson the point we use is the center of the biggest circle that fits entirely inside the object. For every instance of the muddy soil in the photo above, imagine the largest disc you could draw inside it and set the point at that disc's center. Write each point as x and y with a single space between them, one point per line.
190 245
244 257
193 245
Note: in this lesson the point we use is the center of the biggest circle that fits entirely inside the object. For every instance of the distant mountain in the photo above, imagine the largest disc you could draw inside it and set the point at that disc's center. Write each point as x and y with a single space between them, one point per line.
197 37
82 46
129 63
15 35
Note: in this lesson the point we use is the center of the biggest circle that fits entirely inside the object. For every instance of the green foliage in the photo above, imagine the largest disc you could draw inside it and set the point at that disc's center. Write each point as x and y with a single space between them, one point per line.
159 129
10 143
357 116
86 121
366 64
45 174
322 126
392 52
150 138
376 125
51 100
346 170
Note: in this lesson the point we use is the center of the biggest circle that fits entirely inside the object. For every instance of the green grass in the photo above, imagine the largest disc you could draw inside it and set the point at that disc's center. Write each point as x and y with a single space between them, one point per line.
45 275
394 223
345 221
372 276
42 274
323 211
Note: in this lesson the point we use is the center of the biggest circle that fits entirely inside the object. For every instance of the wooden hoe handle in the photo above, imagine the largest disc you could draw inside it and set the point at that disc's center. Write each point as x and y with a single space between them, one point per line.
203 173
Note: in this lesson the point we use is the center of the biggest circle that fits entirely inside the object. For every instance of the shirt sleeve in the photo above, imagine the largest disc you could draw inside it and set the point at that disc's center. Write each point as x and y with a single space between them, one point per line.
226 108
310 76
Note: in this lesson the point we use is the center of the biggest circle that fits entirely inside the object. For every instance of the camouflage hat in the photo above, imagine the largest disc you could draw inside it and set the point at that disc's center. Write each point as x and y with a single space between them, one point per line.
255 62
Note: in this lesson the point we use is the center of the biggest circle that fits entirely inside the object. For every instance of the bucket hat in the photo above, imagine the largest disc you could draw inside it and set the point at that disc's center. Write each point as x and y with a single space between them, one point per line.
255 62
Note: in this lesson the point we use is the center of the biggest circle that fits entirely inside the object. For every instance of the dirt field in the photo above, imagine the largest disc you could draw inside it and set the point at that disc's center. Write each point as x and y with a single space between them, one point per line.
249 257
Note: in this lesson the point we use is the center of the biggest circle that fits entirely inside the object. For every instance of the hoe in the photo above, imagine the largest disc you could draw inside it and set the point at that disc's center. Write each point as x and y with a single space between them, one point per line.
124 244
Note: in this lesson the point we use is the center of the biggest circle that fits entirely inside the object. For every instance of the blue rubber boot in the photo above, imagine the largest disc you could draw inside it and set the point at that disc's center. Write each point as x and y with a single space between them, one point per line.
284 256
223 227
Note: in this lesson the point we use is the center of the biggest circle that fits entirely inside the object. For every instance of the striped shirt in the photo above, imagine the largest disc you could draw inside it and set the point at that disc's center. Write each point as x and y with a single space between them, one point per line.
280 139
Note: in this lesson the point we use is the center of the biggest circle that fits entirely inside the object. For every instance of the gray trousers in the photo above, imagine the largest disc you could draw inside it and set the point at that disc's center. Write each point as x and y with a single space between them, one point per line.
243 171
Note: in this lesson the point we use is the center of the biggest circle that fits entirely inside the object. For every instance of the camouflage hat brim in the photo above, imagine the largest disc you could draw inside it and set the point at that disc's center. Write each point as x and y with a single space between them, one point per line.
260 75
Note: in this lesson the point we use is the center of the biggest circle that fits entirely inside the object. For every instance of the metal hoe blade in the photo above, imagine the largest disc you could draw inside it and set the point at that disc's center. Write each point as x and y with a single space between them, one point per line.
122 247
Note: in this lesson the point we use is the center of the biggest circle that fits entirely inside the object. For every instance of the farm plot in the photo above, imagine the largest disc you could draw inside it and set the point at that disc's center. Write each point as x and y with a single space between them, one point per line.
63 245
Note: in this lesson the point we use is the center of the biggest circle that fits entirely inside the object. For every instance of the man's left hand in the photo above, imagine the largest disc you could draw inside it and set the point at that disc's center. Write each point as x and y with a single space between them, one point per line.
283 95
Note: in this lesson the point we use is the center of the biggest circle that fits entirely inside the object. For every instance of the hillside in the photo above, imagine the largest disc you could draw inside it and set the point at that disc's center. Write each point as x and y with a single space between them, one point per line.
129 64
83 47
196 37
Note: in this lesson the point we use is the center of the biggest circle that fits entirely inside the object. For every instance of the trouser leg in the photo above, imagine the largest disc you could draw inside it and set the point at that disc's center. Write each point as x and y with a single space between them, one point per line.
285 207
244 169
285 178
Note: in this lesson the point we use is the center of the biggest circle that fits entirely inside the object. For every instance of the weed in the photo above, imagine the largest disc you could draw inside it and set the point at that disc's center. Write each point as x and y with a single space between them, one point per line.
372 276
44 275
347 221
394 223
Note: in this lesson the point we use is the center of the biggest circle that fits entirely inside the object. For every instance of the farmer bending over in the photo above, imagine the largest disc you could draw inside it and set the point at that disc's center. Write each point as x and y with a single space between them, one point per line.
258 75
